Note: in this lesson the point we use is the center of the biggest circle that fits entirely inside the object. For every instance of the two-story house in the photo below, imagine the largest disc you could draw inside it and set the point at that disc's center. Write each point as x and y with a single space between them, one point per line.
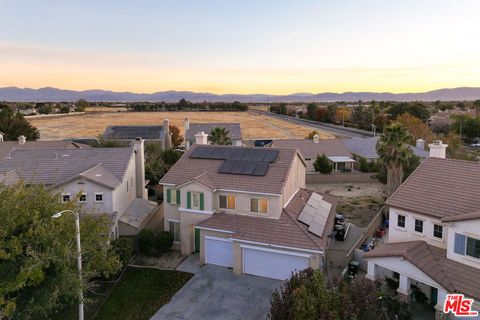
246 208
434 234
107 181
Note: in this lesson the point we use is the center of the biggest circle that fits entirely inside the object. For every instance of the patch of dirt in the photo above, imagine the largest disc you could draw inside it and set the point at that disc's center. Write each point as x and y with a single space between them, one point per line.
93 124
359 202
168 260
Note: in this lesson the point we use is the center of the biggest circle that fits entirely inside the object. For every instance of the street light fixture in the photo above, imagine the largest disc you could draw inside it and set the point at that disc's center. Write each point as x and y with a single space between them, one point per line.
79 255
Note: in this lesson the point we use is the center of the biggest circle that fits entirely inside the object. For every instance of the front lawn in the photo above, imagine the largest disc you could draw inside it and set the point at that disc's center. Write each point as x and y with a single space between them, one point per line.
141 292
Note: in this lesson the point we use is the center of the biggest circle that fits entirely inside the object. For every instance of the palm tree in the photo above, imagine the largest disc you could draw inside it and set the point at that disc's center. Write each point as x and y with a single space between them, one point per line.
394 153
219 135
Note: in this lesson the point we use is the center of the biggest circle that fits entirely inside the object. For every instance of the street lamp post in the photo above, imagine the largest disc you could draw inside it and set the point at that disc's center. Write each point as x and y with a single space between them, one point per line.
79 256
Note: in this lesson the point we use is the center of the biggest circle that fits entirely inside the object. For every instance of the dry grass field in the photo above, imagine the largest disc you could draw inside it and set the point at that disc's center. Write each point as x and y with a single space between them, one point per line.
93 124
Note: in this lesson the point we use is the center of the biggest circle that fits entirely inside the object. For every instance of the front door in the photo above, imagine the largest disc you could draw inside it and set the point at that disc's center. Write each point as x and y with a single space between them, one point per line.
197 240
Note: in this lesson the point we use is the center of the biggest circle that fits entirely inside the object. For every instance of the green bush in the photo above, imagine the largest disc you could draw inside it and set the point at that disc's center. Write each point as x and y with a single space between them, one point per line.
123 246
163 241
364 165
322 164
146 242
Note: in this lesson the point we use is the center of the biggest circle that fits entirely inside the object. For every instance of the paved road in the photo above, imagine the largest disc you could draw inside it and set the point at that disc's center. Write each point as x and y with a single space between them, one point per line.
216 293
339 131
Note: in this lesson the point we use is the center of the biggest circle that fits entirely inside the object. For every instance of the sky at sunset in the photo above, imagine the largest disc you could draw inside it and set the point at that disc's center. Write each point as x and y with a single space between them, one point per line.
245 46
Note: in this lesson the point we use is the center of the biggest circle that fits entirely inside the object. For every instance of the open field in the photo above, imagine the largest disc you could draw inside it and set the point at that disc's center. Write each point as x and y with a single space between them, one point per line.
93 124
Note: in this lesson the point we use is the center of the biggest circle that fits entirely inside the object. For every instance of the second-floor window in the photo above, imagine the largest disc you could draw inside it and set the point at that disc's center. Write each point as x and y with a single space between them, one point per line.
259 205
473 247
227 201
438 231
98 197
83 198
173 196
419 225
66 197
195 200
401 221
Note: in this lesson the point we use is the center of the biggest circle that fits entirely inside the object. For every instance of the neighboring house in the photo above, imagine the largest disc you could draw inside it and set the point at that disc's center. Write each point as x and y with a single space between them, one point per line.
366 148
192 129
151 134
434 235
102 180
334 149
245 208
6 147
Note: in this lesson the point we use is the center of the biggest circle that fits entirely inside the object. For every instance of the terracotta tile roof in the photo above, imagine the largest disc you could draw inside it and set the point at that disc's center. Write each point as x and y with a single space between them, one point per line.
285 231
309 149
462 217
453 276
187 169
440 188
366 147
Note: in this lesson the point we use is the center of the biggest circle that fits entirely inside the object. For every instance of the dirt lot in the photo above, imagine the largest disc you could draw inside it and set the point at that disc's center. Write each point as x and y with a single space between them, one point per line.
359 202
93 124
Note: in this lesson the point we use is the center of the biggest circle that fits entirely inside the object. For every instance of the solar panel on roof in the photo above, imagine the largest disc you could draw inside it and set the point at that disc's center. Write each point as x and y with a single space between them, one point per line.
238 154
226 166
248 155
238 166
271 155
218 153
261 168
259 155
249 167
227 154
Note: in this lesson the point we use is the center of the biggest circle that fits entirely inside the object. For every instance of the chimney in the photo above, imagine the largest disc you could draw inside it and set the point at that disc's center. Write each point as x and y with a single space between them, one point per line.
139 148
438 149
316 138
1 136
420 143
168 137
201 138
22 139
186 124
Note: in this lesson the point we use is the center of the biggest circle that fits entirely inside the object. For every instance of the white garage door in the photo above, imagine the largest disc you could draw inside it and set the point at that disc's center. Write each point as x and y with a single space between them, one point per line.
218 251
276 264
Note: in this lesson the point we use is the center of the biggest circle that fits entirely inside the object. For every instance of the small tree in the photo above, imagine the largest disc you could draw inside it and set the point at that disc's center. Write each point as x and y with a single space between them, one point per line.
282 109
177 138
45 108
311 111
64 109
219 136
14 125
322 164
81 105
311 134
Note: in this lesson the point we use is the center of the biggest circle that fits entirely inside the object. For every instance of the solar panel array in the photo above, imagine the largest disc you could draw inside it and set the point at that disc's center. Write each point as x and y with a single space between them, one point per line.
239 160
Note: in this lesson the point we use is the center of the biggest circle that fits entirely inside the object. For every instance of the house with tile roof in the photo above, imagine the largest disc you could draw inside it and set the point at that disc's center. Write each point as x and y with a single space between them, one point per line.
107 181
247 208
157 134
193 129
434 234
339 156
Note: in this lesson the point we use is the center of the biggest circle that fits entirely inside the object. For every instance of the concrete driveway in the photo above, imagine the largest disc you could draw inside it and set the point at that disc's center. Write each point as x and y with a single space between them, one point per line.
217 293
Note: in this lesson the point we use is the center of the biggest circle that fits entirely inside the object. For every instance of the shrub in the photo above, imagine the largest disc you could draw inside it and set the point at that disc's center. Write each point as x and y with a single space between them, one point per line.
322 164
364 167
163 241
123 246
64 109
146 241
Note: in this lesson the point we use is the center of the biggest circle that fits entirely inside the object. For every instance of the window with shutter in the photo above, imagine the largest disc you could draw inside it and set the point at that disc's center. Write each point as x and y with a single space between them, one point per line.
459 245
473 248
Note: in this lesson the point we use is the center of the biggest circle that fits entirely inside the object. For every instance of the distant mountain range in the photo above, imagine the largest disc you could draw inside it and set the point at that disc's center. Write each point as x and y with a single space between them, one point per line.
15 94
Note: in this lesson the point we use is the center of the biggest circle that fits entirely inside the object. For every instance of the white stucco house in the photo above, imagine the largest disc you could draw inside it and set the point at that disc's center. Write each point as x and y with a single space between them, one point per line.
246 208
107 181
434 234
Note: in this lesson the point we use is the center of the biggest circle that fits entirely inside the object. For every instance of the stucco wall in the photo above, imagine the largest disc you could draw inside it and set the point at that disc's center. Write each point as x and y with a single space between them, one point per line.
85 186
295 180
397 234
121 198
470 228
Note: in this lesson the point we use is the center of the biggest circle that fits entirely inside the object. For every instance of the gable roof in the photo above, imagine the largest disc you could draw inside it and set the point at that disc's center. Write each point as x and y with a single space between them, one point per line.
286 231
132 132
233 128
6 147
311 149
453 276
366 147
57 166
440 188
188 169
